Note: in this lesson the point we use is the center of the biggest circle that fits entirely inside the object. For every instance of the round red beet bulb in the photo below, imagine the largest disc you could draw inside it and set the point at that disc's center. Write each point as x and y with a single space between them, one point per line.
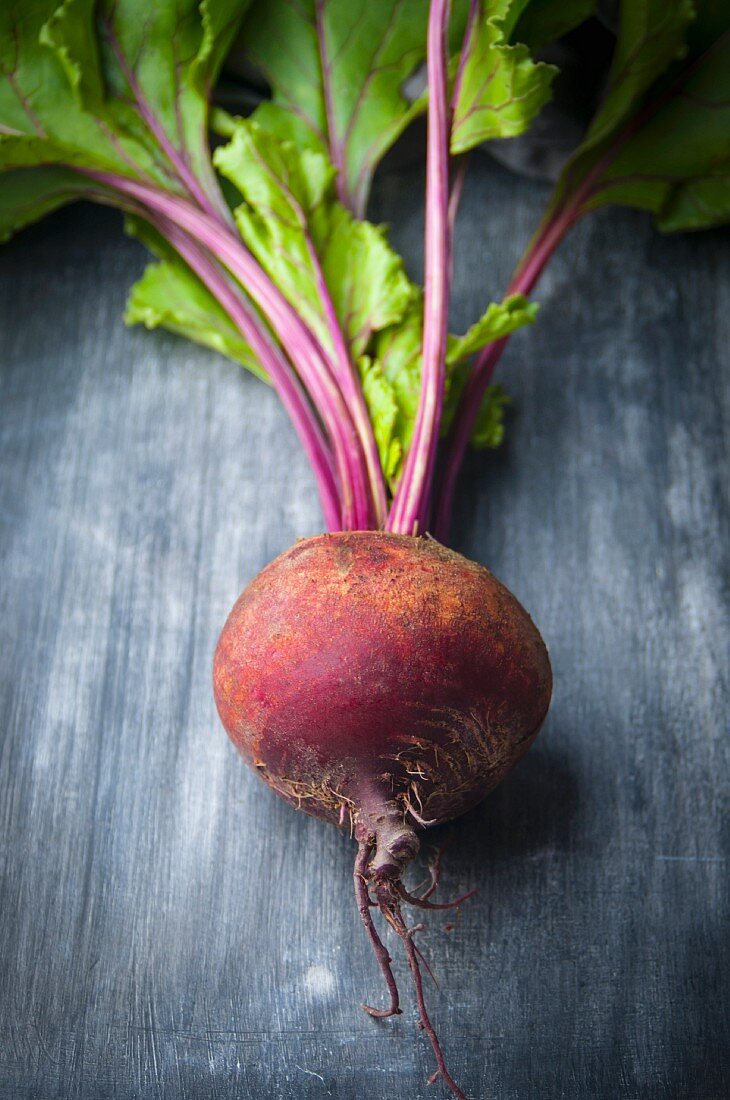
380 681
384 683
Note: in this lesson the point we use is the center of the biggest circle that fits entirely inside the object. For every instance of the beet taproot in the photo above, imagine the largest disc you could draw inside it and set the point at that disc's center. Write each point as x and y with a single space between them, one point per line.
384 683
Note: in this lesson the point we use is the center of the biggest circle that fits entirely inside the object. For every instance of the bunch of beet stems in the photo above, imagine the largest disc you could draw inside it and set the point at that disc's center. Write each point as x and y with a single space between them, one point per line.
320 387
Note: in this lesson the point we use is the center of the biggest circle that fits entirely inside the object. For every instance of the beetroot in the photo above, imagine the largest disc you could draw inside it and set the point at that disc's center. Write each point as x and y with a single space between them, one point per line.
372 678
381 682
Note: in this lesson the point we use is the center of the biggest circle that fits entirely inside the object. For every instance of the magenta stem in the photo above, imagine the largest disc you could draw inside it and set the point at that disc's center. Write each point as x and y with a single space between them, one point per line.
344 371
475 7
298 341
482 373
408 514
459 166
279 370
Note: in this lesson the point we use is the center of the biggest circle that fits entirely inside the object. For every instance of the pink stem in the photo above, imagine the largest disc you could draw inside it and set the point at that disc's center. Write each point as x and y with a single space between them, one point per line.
351 391
457 186
344 371
410 504
475 7
298 341
523 282
280 372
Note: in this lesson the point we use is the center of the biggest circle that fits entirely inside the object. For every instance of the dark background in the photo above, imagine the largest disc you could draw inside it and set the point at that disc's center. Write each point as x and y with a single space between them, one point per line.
169 928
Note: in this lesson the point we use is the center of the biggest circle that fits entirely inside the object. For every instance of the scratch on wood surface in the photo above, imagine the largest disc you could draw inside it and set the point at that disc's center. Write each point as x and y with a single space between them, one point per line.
310 1073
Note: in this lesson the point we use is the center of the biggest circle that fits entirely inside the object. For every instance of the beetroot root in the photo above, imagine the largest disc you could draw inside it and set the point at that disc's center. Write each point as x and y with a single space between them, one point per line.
383 683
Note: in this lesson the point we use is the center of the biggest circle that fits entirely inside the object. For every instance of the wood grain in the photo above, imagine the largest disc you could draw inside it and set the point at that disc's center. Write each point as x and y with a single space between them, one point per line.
169 929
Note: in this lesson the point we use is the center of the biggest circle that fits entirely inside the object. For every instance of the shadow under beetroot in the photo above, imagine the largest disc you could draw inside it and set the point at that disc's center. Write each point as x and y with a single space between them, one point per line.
535 809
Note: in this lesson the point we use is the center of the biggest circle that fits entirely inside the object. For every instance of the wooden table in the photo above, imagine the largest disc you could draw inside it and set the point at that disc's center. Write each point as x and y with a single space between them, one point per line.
169 929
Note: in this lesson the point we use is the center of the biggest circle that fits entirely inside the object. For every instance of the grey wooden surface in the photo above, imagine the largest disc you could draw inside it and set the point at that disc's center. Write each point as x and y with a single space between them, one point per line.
168 928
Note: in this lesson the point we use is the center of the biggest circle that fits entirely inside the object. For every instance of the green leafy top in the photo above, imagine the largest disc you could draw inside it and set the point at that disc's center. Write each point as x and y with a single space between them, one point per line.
122 88
304 237
337 72
118 85
660 139
499 88
98 95
291 214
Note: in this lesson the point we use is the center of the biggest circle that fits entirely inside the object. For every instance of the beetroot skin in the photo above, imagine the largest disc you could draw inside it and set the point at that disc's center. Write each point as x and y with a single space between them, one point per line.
363 668
381 682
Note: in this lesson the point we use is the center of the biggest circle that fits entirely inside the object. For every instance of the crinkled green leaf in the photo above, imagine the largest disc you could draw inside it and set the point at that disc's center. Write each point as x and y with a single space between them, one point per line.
119 85
651 36
397 355
163 56
698 204
292 222
70 33
85 83
283 186
383 410
221 20
660 139
52 106
677 165
27 194
488 431
169 295
41 119
500 88
499 319
337 69
543 21
369 286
